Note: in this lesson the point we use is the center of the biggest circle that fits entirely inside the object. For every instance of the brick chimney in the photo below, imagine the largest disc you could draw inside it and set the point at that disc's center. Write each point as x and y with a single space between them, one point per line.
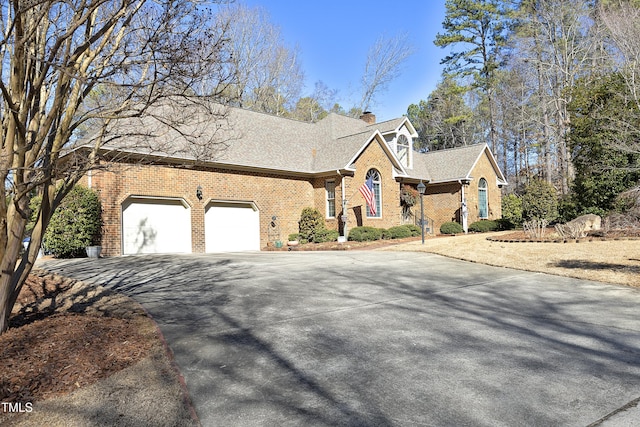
368 117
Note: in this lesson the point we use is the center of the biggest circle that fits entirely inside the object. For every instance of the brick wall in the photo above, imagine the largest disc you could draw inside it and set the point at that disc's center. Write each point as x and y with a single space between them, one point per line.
273 195
374 157
484 169
280 196
441 203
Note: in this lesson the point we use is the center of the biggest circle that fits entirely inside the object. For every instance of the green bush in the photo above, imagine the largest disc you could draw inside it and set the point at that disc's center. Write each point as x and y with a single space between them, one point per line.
326 236
451 228
365 234
505 224
399 232
76 224
512 209
311 223
414 229
539 201
293 236
484 226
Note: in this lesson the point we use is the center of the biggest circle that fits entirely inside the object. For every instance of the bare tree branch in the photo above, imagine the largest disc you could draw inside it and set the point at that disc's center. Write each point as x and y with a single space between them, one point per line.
384 64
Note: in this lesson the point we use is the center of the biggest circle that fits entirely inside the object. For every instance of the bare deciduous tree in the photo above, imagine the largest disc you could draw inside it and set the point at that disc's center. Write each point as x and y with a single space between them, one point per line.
622 20
268 73
384 64
71 66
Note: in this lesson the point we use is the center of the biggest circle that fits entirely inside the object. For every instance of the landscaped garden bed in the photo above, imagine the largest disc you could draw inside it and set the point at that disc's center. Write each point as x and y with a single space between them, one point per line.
552 237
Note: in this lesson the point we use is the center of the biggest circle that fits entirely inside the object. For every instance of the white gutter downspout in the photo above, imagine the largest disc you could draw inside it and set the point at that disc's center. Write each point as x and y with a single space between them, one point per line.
463 207
343 218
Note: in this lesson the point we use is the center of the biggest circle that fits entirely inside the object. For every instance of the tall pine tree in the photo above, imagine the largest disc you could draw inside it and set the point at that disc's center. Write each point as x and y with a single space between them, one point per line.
478 28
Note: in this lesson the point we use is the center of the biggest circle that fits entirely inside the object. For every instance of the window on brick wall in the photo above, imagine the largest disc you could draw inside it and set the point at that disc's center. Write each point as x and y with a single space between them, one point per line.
330 190
375 175
483 207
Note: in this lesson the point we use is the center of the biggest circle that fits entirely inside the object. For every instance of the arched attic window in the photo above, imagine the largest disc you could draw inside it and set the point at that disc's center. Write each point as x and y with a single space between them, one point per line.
402 150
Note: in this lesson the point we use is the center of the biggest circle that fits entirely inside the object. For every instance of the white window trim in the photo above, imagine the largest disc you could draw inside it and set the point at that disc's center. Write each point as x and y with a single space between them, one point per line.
378 199
486 198
326 198
409 150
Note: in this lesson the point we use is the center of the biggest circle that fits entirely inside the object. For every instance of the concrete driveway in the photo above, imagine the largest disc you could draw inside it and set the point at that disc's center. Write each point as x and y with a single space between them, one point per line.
385 339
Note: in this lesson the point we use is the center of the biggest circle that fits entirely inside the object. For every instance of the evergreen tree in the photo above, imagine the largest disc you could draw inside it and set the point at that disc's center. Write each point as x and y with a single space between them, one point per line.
480 28
601 112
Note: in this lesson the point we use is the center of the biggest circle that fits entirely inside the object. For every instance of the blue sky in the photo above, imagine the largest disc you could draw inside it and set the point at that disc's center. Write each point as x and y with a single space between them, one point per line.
334 37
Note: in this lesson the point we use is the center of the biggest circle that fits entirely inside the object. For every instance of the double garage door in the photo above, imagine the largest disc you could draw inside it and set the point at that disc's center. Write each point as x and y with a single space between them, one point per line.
164 226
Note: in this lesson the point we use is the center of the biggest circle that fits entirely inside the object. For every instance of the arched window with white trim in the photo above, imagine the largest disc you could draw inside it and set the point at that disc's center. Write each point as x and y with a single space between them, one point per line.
374 175
483 199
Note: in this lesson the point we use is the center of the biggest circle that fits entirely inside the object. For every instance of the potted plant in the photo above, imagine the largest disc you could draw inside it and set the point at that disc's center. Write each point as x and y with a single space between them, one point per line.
95 249
293 240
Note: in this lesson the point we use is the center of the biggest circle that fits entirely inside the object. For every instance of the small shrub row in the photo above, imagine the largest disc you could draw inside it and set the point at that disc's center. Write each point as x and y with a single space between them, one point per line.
365 234
484 226
326 236
401 232
368 234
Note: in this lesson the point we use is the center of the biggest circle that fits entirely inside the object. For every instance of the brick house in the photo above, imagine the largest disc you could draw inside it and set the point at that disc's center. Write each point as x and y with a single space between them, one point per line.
253 191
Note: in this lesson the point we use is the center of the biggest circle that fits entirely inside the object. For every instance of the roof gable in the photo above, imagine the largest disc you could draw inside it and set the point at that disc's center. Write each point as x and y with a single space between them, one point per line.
377 137
453 164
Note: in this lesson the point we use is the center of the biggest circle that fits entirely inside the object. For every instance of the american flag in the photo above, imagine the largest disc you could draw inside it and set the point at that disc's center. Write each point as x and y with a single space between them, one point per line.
367 192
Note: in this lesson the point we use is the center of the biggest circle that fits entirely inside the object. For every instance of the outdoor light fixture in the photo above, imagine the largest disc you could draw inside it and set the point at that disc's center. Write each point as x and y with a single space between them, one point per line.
421 190
199 192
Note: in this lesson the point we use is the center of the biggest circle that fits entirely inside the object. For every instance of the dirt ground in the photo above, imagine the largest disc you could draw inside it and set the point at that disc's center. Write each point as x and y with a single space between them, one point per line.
85 356
75 356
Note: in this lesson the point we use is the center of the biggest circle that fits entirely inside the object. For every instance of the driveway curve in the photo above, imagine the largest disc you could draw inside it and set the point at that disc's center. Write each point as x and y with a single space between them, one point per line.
385 338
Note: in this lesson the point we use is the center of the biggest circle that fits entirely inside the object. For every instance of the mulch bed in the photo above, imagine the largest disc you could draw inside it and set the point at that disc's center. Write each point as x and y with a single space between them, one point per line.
335 246
46 353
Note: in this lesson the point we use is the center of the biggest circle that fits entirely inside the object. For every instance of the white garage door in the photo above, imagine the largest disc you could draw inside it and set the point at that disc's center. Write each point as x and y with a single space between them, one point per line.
152 226
232 227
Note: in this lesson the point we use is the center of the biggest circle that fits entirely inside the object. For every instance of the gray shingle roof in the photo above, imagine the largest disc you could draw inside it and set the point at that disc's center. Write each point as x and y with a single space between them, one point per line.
263 141
451 164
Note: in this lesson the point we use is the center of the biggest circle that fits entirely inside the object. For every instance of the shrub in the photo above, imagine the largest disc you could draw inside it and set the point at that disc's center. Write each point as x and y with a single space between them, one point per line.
539 201
293 236
311 223
414 229
451 228
505 224
384 234
399 232
365 234
484 226
567 209
512 210
326 236
535 228
76 224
